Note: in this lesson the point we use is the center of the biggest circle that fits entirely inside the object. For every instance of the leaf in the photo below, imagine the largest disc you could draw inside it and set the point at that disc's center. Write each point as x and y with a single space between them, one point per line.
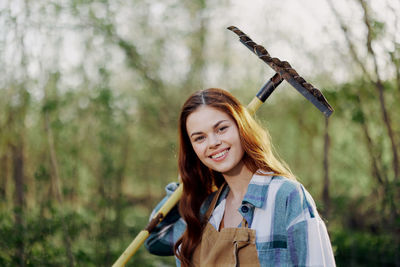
358 116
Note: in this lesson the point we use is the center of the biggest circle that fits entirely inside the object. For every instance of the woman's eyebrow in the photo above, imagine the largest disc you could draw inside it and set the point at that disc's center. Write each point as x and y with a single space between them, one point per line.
195 133
215 126
218 123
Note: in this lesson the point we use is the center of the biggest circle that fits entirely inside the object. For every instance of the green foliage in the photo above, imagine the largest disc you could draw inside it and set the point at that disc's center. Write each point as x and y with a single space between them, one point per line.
378 28
94 242
355 248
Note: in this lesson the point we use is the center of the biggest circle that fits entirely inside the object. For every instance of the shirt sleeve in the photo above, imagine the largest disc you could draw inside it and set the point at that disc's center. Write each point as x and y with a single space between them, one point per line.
308 241
164 236
162 239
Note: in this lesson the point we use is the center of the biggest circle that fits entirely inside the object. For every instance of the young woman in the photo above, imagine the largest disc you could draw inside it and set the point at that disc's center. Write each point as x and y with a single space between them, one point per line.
259 216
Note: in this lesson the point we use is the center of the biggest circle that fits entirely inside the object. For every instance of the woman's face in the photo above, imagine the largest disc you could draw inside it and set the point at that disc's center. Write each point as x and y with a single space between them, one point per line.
215 139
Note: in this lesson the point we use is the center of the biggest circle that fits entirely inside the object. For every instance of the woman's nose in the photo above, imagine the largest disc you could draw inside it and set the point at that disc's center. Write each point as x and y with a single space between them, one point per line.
214 141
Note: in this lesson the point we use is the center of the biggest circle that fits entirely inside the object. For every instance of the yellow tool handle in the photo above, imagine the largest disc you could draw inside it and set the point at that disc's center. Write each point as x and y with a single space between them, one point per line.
144 234
132 248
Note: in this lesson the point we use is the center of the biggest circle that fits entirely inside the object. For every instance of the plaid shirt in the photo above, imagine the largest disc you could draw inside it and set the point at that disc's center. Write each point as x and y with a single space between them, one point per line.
289 231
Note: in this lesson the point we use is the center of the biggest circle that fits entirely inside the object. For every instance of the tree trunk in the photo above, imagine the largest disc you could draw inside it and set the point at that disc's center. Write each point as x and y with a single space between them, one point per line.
381 176
19 200
326 195
119 185
379 87
3 177
56 186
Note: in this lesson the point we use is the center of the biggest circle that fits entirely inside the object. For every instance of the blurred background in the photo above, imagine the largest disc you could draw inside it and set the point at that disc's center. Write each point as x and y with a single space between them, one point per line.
90 93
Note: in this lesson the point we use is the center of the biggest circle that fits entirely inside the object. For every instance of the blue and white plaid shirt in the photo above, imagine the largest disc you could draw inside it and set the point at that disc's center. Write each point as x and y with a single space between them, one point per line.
289 230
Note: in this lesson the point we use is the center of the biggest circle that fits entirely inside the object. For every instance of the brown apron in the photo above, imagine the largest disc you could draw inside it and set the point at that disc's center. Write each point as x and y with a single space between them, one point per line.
228 247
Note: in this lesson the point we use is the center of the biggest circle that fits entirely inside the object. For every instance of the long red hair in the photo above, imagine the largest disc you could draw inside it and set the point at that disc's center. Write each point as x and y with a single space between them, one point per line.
198 179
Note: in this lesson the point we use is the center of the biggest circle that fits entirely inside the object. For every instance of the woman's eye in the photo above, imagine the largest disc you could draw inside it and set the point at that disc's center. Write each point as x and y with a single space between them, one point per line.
198 139
223 128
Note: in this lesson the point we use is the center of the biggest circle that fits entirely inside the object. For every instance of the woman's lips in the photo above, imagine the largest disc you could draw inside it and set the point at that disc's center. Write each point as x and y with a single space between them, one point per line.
220 155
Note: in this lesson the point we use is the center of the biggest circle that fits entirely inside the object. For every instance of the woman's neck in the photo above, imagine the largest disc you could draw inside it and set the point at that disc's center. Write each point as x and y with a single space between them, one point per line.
238 179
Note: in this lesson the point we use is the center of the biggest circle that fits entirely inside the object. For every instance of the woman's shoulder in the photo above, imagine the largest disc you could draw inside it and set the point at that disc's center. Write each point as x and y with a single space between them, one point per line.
293 195
266 185
284 185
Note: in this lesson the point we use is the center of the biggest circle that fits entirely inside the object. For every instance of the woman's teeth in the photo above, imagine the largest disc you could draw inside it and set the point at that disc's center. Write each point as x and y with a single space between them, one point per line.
219 154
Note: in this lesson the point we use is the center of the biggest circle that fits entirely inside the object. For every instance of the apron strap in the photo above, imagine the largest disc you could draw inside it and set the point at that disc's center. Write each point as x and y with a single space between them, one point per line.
244 223
214 201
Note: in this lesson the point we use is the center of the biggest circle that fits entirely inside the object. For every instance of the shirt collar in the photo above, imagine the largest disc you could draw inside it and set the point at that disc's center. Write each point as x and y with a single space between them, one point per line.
257 189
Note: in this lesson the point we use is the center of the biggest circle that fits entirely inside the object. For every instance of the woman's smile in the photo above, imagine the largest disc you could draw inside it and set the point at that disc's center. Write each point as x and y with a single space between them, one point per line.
219 156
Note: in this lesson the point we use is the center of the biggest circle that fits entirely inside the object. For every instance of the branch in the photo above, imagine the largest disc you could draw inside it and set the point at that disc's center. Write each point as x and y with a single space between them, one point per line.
379 87
350 43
